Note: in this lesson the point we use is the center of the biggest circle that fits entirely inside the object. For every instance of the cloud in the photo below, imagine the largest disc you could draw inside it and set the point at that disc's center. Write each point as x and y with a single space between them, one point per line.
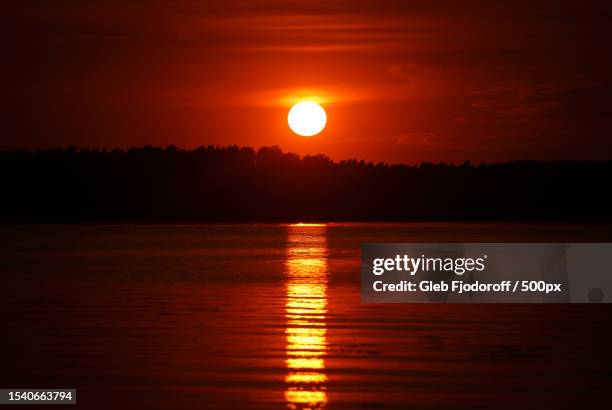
542 103
404 71
425 139
328 94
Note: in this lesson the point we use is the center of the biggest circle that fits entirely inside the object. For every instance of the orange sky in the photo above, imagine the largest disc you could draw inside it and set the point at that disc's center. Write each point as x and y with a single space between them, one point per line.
401 81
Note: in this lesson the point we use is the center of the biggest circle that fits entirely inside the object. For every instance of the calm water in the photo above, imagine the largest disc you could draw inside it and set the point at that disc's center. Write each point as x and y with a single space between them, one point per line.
269 316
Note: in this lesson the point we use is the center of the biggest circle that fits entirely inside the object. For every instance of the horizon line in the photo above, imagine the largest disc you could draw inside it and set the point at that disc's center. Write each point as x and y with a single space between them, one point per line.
212 147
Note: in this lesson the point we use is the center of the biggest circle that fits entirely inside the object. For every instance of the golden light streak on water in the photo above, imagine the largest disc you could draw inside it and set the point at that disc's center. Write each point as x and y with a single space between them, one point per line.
305 310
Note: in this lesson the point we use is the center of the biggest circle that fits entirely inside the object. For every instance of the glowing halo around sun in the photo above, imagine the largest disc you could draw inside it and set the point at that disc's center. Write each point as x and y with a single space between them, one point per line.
307 118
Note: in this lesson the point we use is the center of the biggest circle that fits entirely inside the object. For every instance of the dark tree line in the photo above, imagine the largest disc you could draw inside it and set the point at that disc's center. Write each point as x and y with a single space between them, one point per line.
227 184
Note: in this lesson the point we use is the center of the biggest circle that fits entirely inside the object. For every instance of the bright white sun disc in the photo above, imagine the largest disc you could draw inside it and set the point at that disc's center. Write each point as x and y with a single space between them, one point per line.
307 118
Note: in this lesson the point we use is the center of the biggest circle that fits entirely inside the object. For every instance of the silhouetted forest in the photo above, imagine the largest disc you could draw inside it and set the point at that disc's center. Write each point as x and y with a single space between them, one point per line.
228 184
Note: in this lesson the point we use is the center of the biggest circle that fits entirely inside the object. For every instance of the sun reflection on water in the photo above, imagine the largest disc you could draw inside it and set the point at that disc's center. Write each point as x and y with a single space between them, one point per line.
306 309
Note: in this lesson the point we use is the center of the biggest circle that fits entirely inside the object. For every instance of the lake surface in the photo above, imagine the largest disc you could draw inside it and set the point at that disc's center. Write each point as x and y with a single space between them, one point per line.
269 317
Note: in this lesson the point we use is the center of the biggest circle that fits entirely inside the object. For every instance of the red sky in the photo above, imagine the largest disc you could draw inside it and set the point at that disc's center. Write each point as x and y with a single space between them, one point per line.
401 81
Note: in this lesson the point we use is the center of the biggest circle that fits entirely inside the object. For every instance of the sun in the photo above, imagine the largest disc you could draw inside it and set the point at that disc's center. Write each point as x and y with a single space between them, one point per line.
307 118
